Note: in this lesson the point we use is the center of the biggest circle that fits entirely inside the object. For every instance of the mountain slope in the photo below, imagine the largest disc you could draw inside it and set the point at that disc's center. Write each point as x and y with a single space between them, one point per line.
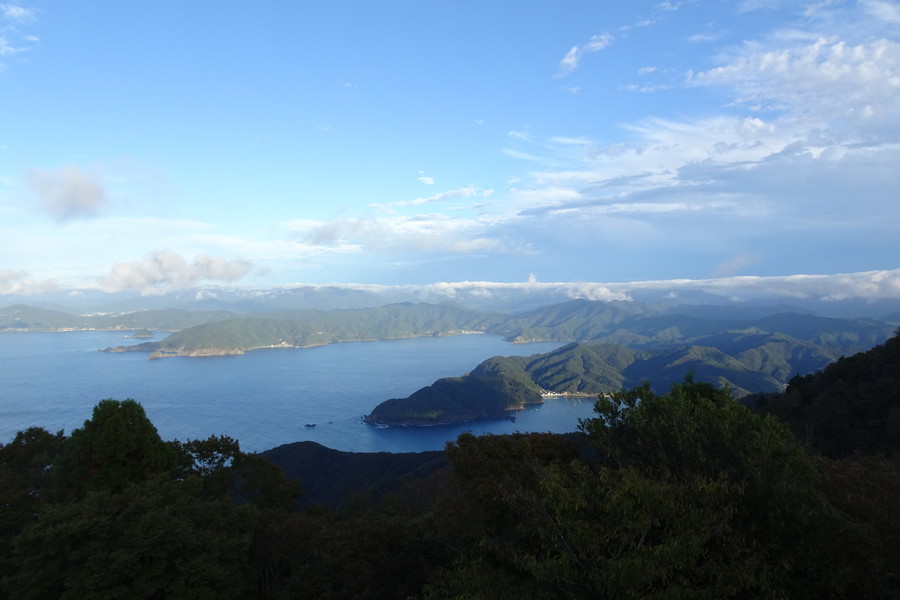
502 384
300 329
853 405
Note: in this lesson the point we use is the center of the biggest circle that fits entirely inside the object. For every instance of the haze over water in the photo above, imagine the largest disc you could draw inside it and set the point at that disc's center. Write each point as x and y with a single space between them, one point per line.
264 398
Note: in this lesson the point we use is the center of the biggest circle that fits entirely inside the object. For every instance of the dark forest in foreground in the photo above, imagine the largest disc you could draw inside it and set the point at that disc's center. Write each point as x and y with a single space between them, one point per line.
684 494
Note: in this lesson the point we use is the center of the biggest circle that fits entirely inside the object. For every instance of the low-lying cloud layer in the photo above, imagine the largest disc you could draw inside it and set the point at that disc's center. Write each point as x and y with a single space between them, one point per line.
867 285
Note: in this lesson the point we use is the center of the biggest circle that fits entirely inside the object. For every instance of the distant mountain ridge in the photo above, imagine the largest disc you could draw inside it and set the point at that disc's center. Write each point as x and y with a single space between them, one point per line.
500 385
631 324
618 348
308 328
612 345
20 317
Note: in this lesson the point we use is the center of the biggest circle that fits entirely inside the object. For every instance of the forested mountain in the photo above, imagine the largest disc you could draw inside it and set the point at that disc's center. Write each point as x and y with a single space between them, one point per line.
331 477
500 385
637 325
747 356
631 324
853 404
618 344
20 317
301 329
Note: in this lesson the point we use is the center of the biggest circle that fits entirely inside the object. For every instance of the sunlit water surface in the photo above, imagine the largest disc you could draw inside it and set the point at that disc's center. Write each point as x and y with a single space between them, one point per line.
264 398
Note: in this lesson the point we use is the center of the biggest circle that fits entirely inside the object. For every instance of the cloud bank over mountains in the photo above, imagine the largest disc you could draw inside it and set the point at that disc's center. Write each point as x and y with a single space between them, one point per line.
175 280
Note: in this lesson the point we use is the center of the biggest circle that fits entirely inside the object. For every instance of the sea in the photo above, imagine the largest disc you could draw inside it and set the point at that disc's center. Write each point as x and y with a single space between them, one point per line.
263 398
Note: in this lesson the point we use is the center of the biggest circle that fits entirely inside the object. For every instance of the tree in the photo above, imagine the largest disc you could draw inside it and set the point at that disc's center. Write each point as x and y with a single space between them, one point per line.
117 446
149 539
27 466
853 405
689 495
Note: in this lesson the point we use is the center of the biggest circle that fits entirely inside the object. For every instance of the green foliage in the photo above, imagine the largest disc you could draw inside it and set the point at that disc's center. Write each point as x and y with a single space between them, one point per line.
149 539
852 405
378 554
29 318
317 327
867 490
27 468
640 325
683 494
117 446
115 512
501 384
697 435
690 496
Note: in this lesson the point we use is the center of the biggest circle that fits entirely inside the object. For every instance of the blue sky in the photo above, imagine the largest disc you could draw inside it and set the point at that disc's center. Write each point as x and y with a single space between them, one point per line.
164 145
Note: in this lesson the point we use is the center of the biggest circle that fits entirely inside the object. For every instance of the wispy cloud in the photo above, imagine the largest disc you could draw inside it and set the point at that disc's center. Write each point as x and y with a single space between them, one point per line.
12 39
17 14
706 37
464 192
886 11
646 89
399 234
595 44
67 193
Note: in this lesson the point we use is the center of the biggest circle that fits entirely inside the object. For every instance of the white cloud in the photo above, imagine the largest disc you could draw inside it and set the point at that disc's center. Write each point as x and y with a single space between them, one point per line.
826 78
160 271
561 139
886 11
485 289
569 61
705 38
17 13
13 282
520 135
866 284
12 39
464 192
429 233
595 44
426 180
67 193
646 89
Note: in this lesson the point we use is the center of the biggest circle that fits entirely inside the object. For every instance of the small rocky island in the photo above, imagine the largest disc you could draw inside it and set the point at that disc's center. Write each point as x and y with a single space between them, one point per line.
142 334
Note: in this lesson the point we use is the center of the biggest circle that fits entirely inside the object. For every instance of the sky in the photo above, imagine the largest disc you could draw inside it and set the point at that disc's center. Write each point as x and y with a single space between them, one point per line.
156 146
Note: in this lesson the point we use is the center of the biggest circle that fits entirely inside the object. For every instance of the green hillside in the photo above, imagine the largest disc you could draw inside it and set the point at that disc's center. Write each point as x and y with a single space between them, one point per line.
300 329
852 405
20 317
501 384
641 325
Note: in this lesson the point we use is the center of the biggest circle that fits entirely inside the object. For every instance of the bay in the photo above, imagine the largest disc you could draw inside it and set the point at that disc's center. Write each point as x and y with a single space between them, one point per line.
263 398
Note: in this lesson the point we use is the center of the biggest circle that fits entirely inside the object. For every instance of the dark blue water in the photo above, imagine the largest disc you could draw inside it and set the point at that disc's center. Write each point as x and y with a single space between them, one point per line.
264 398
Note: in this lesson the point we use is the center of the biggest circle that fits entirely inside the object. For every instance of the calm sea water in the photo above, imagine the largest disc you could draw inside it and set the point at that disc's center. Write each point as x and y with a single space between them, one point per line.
264 398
